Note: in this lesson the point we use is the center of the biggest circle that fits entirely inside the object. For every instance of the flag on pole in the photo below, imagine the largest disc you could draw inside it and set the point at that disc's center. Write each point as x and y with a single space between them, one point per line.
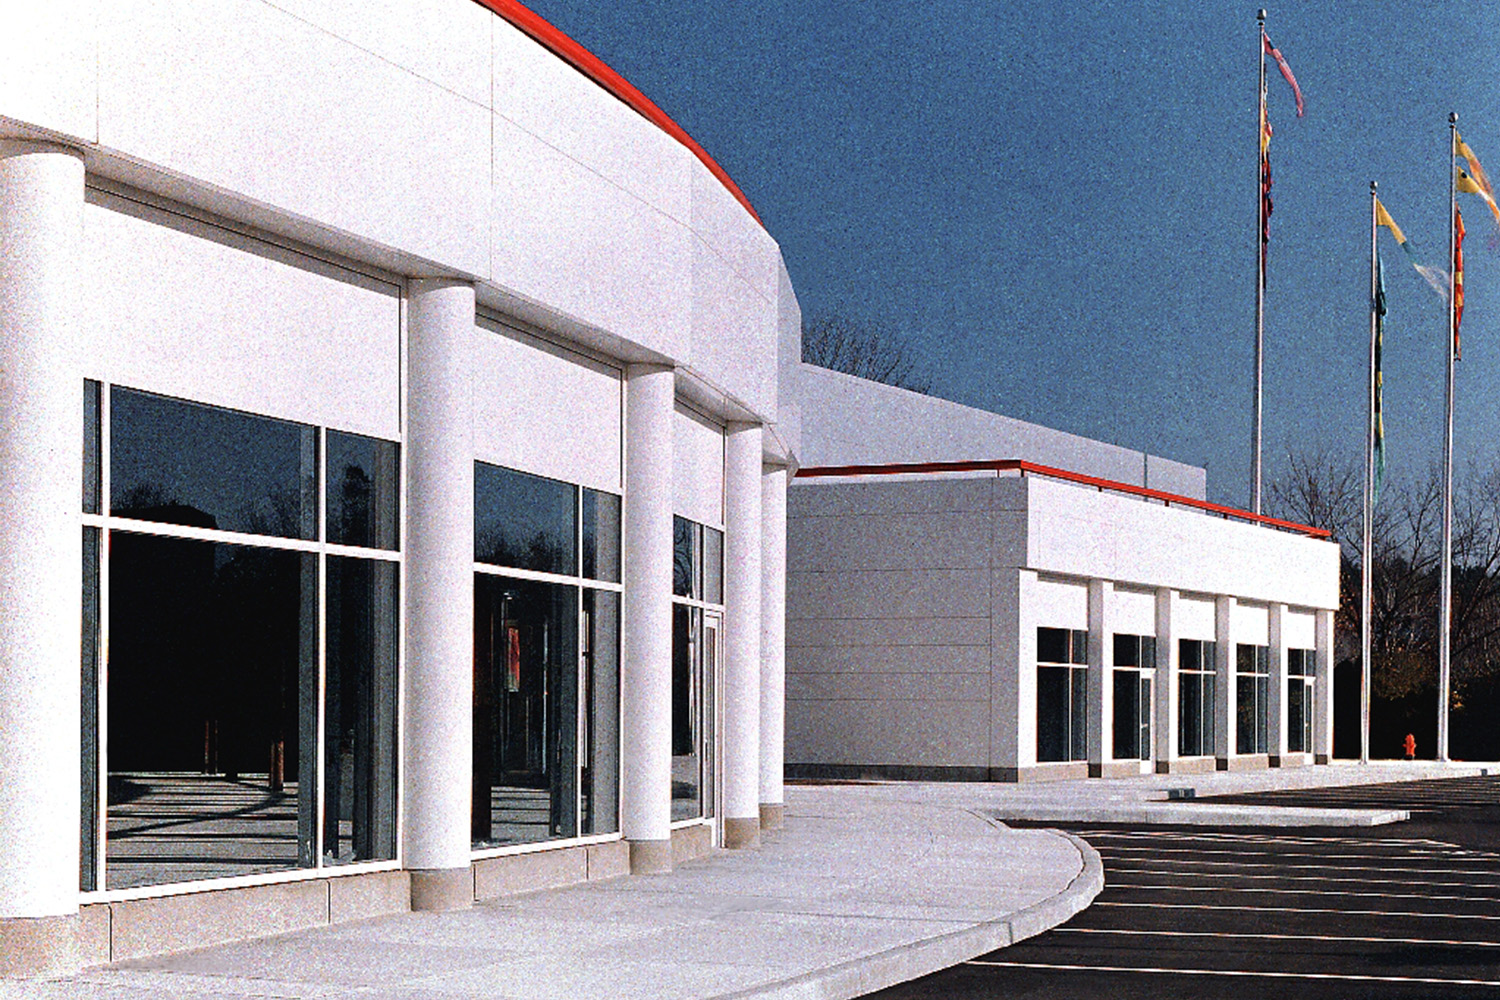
1469 185
1378 415
1435 277
1286 71
1266 205
1474 168
1458 280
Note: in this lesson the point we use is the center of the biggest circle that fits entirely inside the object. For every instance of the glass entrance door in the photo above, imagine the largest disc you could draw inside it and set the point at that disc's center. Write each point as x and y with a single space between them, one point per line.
712 786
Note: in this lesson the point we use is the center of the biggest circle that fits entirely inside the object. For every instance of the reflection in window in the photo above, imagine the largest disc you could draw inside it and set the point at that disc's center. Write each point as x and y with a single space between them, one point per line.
1252 698
363 499
1061 694
1195 698
359 728
203 466
524 521
686 536
600 751
601 536
1135 659
213 684
525 711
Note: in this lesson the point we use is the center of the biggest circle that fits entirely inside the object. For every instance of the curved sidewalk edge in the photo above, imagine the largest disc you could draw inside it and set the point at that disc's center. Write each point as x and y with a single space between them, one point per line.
859 976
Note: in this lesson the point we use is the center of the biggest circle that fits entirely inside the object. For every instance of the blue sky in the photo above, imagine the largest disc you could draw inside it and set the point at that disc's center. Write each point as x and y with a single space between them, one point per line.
1057 202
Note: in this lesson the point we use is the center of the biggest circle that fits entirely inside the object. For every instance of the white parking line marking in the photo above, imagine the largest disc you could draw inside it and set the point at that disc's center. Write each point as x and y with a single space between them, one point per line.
1186 862
1244 974
1327 859
1303 892
1303 878
1407 914
1135 932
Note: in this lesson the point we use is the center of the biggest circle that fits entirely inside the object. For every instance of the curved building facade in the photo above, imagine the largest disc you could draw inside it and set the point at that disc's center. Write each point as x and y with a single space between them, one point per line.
398 409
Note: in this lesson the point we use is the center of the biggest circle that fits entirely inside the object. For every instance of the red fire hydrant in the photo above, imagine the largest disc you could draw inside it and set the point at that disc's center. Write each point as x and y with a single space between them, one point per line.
1410 745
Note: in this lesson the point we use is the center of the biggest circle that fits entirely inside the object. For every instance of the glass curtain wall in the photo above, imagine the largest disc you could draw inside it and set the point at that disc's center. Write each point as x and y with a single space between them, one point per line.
1062 694
697 610
546 659
249 694
1300 668
1195 698
1252 698
1135 665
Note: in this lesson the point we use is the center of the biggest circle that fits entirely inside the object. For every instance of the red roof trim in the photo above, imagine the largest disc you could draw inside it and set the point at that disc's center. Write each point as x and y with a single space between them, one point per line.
1017 465
594 68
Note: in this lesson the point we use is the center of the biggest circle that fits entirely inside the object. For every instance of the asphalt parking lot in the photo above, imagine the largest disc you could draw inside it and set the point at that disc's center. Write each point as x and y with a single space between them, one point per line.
1401 911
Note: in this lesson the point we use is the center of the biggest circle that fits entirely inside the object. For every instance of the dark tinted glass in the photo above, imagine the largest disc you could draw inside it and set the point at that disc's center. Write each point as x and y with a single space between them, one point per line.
1078 694
1148 651
526 774
713 565
685 536
524 521
1052 714
359 750
1127 650
363 491
1190 717
1127 715
601 536
213 710
185 463
1295 703
600 750
1052 645
91 466
88 858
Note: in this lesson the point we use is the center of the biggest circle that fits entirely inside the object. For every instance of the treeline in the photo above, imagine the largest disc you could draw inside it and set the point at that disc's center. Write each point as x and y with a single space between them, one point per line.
1406 557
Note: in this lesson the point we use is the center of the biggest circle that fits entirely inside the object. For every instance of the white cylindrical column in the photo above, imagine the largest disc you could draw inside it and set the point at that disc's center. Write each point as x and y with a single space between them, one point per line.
646 619
773 483
41 553
1322 747
1225 672
742 619
1276 732
439 594
1101 709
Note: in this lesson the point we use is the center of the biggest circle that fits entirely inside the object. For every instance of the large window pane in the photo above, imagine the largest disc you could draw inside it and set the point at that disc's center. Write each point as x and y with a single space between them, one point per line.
359 727
600 789
88 855
1190 716
212 706
1294 716
1079 723
713 566
525 711
685 569
186 463
1127 714
687 763
601 536
91 454
524 521
363 491
1052 714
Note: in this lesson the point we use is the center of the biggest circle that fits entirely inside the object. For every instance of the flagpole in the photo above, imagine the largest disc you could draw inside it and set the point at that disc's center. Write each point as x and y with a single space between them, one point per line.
1366 572
1260 271
1445 581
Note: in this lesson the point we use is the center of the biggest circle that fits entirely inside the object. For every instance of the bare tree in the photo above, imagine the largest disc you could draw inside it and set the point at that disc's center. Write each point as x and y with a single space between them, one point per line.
876 351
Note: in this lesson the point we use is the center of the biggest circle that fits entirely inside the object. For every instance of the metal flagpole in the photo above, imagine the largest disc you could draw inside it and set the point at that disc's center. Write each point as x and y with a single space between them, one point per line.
1445 582
1366 565
1260 271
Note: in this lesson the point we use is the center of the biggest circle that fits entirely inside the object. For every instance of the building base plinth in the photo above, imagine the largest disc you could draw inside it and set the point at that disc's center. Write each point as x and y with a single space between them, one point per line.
38 946
772 815
440 889
1187 765
1291 760
743 833
650 857
1115 769
1246 762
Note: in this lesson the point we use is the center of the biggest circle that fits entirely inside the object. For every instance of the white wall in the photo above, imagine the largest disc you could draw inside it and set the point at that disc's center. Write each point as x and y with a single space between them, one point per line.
853 421
1059 603
427 136
1251 624
698 458
546 410
1194 618
190 310
1133 612
1299 629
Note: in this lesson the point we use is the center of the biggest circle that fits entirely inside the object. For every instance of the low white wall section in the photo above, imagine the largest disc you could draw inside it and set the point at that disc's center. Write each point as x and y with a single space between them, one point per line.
698 467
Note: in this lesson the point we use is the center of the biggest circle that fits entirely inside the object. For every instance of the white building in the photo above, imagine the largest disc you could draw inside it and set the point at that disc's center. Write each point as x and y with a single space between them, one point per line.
971 597
404 404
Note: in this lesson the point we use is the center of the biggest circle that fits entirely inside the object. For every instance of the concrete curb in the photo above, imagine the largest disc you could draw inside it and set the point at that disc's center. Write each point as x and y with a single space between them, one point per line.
856 977
1200 814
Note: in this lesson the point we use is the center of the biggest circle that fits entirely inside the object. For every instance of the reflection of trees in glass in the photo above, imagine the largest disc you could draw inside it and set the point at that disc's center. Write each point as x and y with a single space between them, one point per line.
543 551
355 491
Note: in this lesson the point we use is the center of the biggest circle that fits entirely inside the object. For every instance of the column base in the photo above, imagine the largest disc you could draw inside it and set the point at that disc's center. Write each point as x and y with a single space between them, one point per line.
1115 769
742 833
1322 758
650 857
39 946
772 815
440 889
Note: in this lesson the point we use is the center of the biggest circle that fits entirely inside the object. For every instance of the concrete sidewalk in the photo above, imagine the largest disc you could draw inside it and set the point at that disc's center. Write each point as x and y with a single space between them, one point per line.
868 886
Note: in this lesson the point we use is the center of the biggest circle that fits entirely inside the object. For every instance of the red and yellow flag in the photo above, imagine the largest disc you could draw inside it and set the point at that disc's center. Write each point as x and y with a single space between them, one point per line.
1458 279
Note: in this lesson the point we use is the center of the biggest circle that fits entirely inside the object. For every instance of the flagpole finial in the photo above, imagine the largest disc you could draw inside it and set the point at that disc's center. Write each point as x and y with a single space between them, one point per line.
1453 118
1373 186
1260 15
